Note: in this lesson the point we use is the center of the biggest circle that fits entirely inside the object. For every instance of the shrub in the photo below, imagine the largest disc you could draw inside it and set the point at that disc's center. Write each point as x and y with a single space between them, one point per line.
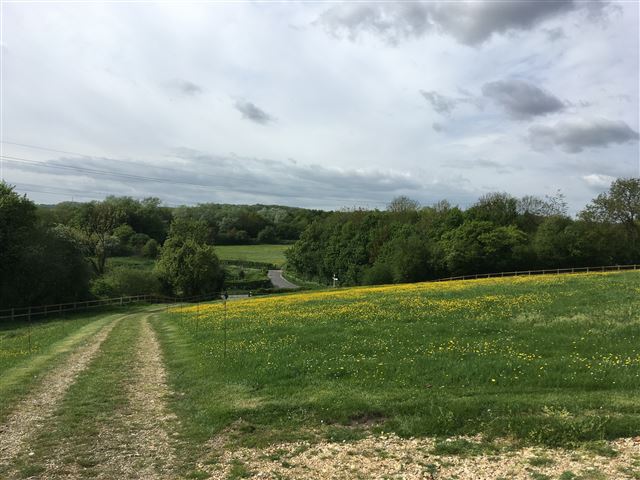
123 281
151 249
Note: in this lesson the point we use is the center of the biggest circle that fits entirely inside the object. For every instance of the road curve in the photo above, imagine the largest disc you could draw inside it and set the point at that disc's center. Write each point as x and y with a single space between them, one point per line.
279 281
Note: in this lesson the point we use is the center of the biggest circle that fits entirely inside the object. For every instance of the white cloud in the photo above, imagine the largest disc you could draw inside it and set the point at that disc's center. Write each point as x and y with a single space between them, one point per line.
598 181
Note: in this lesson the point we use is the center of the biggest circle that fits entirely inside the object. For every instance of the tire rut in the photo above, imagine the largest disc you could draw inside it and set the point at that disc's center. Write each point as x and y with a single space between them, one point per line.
135 442
148 451
31 412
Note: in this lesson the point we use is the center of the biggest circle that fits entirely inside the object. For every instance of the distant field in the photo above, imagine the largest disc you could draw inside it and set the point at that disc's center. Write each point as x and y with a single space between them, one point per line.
253 253
548 360
131 262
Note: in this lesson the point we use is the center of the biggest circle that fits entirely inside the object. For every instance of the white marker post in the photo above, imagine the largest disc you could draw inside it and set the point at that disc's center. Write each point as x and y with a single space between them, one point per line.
335 279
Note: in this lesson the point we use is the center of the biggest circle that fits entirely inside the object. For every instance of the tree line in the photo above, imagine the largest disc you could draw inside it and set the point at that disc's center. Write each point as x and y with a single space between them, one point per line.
59 253
54 254
498 233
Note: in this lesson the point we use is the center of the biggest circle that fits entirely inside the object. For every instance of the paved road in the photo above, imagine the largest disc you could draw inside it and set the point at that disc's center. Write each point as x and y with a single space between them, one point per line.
279 281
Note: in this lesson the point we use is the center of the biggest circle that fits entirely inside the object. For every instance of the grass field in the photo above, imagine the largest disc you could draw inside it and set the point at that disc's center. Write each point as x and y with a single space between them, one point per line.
460 380
139 263
254 253
549 360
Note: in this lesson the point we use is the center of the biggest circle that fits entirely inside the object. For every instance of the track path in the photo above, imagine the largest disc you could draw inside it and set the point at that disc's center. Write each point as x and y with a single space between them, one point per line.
101 412
135 442
40 404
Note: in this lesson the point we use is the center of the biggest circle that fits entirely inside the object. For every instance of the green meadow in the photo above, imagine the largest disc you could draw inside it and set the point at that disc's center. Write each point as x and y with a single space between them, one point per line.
551 360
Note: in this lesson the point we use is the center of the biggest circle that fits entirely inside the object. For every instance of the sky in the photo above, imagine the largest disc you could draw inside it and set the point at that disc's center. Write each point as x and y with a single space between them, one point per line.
319 104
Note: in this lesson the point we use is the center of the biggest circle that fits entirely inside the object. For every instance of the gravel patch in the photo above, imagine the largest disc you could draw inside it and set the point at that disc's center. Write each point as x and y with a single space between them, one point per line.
392 457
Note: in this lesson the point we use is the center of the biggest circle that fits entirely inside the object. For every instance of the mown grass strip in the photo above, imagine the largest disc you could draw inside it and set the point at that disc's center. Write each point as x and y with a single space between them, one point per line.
68 443
53 341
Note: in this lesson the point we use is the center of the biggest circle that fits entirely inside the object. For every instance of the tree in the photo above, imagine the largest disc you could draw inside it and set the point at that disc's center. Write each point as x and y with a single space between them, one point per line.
187 265
151 249
97 221
621 204
17 221
479 247
403 204
498 208
37 264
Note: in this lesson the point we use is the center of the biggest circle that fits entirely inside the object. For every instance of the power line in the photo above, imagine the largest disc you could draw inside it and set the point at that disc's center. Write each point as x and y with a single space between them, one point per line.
92 157
168 169
62 192
127 176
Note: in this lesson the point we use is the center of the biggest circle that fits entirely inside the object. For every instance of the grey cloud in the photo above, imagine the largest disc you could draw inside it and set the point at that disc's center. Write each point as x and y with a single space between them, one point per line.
252 112
438 127
440 103
471 23
446 105
576 135
392 22
554 34
215 178
521 99
474 23
481 163
185 87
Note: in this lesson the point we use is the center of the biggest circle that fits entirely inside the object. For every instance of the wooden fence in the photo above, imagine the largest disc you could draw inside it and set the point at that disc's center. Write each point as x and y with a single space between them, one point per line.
552 271
61 308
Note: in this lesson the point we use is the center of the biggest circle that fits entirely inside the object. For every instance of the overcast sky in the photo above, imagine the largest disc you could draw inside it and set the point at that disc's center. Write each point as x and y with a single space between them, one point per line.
323 105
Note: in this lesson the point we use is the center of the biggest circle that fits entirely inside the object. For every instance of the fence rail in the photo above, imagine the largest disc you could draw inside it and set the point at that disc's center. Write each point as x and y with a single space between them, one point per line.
60 308
556 271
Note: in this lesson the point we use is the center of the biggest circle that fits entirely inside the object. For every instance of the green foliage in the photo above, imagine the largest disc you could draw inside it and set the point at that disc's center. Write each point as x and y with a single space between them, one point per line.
38 265
619 206
498 233
151 249
96 221
122 281
187 266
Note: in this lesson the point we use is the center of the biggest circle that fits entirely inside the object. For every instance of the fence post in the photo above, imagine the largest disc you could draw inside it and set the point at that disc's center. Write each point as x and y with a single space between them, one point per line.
29 330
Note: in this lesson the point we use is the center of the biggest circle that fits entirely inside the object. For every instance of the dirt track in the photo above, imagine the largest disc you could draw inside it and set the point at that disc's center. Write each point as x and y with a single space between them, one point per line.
30 413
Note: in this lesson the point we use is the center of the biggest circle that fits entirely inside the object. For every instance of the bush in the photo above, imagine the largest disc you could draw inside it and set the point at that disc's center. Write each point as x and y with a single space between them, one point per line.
139 240
378 274
123 281
151 249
